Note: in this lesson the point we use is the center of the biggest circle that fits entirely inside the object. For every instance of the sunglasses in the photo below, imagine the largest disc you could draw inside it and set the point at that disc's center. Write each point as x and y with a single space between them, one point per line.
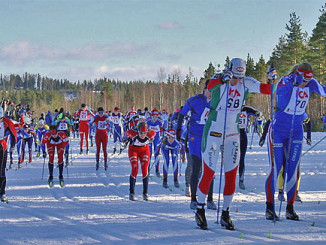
142 132
236 78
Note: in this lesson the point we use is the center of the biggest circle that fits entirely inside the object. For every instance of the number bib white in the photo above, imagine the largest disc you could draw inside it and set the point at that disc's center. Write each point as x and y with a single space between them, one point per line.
302 101
243 120
83 115
101 125
62 126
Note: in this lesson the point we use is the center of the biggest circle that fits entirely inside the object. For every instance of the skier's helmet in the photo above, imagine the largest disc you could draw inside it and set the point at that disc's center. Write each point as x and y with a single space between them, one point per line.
238 67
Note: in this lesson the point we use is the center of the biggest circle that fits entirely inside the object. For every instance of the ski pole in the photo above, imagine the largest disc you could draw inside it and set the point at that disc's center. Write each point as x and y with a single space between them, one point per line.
43 167
313 146
252 136
222 152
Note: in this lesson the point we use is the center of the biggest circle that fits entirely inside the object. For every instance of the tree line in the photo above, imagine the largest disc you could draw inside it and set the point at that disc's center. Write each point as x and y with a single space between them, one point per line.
170 91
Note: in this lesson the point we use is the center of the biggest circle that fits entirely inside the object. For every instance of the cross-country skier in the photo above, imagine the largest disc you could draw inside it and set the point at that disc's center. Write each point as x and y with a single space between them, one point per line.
84 116
229 90
293 93
101 123
170 146
27 139
155 124
139 151
6 126
41 128
198 106
165 118
130 119
55 140
63 125
116 119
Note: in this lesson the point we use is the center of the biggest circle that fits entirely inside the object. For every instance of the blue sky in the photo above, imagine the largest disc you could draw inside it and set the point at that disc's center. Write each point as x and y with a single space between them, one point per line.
129 39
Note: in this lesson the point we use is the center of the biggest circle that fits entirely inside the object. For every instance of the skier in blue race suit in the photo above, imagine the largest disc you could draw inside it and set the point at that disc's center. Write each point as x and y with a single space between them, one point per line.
198 105
292 96
170 146
155 124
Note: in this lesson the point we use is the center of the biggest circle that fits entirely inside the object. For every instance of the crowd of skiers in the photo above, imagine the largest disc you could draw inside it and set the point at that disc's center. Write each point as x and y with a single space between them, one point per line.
209 125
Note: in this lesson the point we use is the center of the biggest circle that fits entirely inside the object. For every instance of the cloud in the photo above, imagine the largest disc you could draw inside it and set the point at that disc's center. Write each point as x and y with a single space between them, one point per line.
124 73
170 25
21 53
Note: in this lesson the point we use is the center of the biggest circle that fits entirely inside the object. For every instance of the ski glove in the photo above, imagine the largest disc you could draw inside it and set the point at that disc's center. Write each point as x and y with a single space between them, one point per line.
272 74
227 76
298 80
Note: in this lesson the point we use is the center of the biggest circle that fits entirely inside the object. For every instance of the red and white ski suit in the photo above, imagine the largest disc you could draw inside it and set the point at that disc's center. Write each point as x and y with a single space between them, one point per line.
53 143
84 116
101 136
139 149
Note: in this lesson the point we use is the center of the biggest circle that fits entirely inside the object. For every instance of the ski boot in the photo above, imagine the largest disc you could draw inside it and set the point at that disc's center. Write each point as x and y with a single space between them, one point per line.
176 183
19 165
81 151
4 198
61 182
97 166
298 198
105 166
50 181
290 213
157 172
270 212
187 191
121 151
11 164
226 220
145 196
132 197
91 144
165 184
200 217
114 150
87 151
241 185
211 205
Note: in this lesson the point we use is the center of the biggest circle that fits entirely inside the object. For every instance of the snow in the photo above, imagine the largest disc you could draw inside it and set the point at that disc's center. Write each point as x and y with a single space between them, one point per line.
93 207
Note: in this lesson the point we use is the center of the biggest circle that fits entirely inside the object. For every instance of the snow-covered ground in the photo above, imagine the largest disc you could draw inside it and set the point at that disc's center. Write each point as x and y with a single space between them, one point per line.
93 207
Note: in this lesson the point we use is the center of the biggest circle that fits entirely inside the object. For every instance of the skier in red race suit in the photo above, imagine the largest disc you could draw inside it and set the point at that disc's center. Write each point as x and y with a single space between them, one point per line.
84 116
55 140
101 122
139 150
6 125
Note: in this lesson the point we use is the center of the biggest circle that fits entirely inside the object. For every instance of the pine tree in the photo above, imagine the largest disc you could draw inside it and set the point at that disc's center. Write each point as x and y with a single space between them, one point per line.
250 66
317 46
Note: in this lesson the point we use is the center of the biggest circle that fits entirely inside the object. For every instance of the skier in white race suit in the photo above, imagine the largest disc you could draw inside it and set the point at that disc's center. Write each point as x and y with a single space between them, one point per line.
229 91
